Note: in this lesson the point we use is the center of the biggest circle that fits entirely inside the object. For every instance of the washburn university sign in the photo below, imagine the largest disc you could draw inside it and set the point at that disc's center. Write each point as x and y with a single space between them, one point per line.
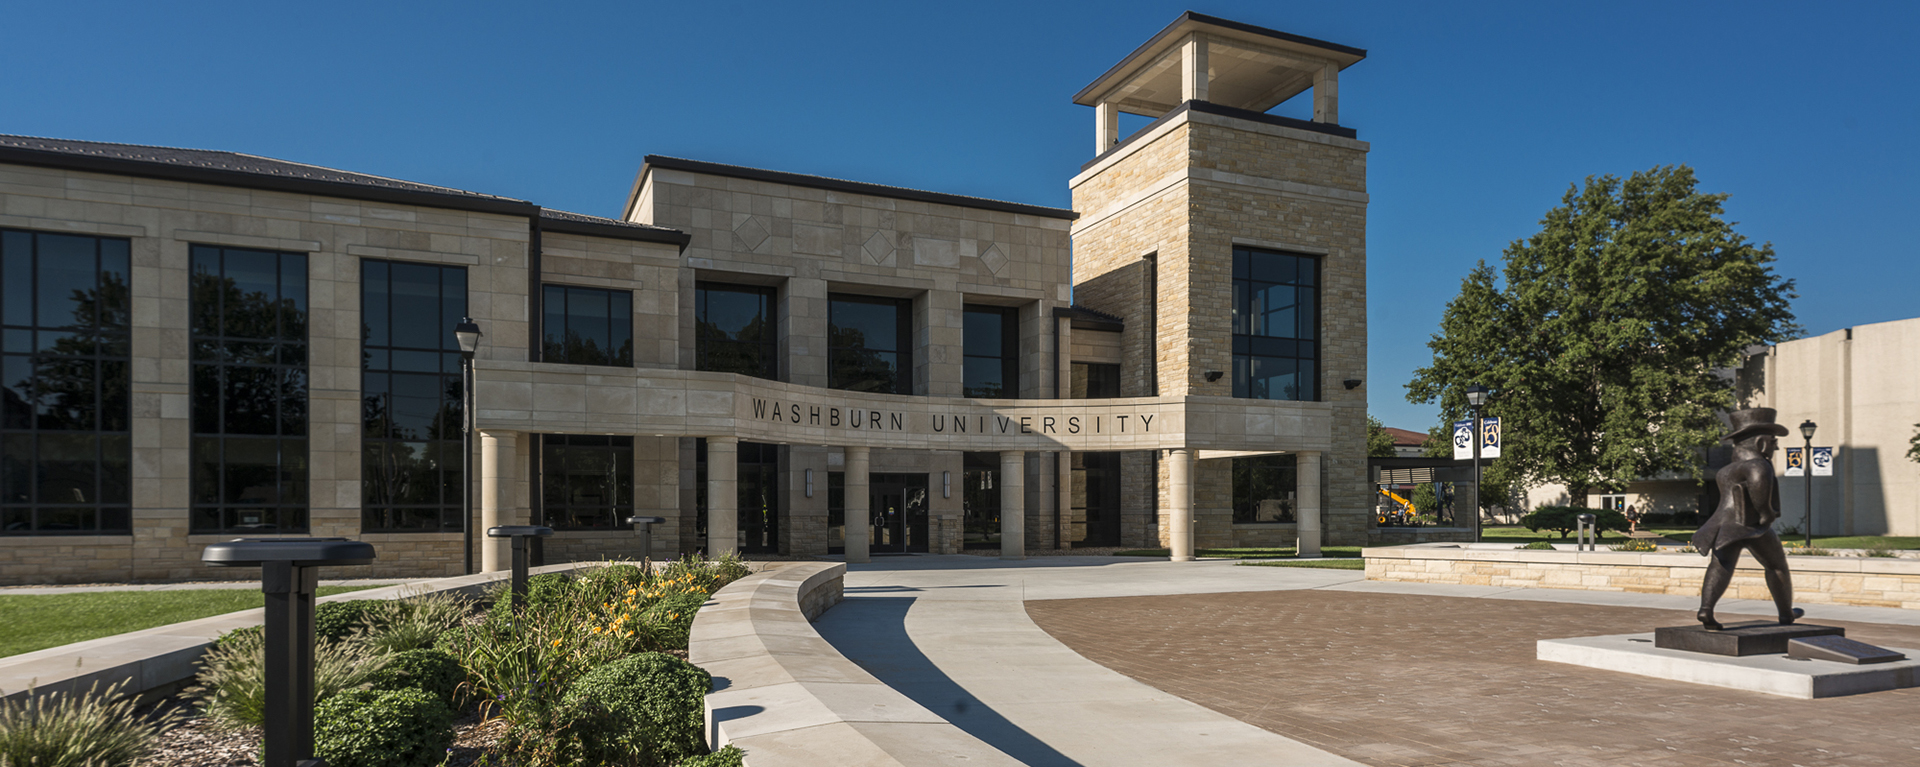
958 423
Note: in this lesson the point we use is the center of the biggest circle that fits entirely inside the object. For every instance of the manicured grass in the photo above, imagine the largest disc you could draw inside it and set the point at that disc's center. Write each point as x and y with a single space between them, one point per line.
31 622
1253 553
1521 535
1902 542
1324 564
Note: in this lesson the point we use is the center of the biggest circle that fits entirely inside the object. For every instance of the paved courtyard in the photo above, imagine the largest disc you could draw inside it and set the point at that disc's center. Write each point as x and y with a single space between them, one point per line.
1103 661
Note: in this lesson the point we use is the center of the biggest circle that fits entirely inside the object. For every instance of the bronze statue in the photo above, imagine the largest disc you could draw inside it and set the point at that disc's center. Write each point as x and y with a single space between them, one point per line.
1749 504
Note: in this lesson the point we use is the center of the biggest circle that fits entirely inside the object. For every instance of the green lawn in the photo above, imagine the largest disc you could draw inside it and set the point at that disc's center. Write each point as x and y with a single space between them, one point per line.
1906 543
31 622
1324 564
1255 553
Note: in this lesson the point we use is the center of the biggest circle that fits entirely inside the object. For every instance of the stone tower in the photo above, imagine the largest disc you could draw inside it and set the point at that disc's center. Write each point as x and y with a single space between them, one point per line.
1164 212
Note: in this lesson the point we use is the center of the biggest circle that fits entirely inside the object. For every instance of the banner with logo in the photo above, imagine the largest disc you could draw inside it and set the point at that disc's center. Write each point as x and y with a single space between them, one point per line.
1796 463
1462 440
1822 462
1490 437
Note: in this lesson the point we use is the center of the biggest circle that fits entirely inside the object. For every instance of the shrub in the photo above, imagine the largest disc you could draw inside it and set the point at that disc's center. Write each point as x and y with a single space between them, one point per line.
1565 519
644 710
1538 545
544 593
1635 544
97 729
243 634
415 622
731 756
232 681
435 671
337 620
382 728
607 581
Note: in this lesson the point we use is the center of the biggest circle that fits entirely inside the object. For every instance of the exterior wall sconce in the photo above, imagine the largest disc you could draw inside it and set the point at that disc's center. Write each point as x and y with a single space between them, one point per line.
809 483
1351 383
946 484
1214 375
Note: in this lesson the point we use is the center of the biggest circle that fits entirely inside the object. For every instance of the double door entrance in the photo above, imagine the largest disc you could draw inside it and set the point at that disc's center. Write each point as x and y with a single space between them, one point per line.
897 510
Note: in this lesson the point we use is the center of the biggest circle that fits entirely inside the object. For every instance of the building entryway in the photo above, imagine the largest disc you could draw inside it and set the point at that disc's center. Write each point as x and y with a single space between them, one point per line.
1095 519
898 505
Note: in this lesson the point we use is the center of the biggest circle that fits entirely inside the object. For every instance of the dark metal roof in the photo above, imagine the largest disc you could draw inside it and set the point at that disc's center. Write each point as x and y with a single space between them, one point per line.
208 166
1090 319
839 185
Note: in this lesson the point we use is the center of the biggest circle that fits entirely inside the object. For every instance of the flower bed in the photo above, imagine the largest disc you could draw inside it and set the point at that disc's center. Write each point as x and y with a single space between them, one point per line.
591 670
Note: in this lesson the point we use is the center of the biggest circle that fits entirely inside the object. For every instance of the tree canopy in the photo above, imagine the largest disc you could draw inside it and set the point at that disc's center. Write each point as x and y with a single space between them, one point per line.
1601 333
1379 442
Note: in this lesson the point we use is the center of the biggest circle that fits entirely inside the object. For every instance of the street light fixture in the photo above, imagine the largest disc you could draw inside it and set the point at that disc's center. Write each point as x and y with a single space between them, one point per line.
468 334
1806 472
1477 396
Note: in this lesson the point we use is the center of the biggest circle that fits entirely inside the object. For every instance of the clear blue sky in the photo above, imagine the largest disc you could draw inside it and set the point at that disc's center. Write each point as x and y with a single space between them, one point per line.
1479 117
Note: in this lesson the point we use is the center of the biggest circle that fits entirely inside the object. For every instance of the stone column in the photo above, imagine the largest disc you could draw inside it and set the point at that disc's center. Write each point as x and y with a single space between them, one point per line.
1307 509
1013 504
1193 69
723 495
496 498
1326 94
1180 498
1106 126
859 515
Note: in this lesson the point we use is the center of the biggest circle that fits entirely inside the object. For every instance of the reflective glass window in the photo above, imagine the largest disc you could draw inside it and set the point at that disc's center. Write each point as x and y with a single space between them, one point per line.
868 344
65 452
249 391
1264 489
586 481
1276 325
991 346
734 330
1095 380
587 326
412 471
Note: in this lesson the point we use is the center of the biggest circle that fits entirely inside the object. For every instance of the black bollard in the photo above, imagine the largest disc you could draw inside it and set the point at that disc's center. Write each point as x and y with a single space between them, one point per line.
519 534
643 526
289 573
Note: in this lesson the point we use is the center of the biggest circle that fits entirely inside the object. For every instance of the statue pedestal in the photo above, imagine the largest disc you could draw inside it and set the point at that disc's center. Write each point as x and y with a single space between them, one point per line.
1739 639
1773 674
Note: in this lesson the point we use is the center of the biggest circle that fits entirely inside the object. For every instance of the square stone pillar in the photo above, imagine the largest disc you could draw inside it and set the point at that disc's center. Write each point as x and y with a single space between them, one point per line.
1106 126
1013 504
1307 510
498 495
723 496
1326 94
1193 69
803 528
1180 470
859 515
946 495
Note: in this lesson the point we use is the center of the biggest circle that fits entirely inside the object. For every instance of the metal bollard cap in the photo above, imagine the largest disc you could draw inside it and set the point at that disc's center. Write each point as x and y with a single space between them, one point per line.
646 520
301 552
519 531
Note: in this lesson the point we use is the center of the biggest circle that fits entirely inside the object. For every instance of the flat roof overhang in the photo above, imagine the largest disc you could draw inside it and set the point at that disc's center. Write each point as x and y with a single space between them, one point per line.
1254 68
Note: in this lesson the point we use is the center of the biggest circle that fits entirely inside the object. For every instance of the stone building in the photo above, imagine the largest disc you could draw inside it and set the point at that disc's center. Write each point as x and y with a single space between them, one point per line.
200 345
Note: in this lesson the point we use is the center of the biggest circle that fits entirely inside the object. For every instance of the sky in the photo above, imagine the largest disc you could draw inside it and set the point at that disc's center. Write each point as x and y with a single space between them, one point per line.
1479 116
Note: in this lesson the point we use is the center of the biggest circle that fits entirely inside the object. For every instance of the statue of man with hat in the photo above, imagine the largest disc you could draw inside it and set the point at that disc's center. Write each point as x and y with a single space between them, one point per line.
1749 504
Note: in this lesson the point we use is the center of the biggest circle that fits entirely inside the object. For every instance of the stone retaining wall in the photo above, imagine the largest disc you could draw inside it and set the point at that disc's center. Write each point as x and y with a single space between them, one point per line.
1864 581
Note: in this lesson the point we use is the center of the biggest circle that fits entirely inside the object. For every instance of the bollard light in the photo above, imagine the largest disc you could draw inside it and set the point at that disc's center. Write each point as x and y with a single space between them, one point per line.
289 574
519 534
643 527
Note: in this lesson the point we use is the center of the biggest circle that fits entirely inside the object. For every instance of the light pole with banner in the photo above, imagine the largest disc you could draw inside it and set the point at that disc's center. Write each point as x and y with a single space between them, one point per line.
1806 431
1476 398
468 334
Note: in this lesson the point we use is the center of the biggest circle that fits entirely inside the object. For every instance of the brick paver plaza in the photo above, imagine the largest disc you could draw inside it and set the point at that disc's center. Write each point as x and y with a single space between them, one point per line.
1392 679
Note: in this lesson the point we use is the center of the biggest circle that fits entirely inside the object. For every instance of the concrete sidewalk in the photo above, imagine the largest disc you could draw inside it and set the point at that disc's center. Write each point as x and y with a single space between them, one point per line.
952 633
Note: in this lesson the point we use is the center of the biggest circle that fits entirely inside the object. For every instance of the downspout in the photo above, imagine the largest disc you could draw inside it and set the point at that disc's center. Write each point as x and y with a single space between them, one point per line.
537 549
1060 479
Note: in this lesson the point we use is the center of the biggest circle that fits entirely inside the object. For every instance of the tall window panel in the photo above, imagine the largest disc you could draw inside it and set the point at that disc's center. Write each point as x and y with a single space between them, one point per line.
412 475
1276 325
991 345
65 452
586 481
734 330
1265 489
869 344
249 340
587 326
1095 380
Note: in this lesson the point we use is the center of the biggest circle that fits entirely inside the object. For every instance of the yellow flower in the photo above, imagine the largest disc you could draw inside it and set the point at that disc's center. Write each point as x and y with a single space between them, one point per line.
673 616
596 629
556 643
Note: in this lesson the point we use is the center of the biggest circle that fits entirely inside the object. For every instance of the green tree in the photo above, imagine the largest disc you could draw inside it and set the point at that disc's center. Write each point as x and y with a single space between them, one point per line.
1379 442
1601 333
1913 453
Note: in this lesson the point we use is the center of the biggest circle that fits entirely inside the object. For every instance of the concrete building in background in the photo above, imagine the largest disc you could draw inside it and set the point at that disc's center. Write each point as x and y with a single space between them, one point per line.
200 345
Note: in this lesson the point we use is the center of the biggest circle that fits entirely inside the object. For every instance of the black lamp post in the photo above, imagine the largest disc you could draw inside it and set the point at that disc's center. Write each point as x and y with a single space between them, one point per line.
1806 472
468 334
519 534
1476 398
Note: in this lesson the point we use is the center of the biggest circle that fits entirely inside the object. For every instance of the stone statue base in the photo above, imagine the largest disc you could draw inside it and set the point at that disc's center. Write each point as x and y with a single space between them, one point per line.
1739 639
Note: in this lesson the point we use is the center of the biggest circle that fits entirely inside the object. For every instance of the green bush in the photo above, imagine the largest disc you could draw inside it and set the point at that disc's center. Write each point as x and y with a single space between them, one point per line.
545 593
382 728
1548 545
435 671
415 622
1636 544
1565 519
243 634
643 710
232 683
671 620
97 729
336 620
731 756
607 581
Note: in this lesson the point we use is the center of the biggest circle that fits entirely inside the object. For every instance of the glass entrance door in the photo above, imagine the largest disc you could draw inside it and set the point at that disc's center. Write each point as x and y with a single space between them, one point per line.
897 505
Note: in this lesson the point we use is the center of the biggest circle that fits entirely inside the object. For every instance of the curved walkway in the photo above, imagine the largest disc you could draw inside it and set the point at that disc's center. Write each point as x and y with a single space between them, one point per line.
953 634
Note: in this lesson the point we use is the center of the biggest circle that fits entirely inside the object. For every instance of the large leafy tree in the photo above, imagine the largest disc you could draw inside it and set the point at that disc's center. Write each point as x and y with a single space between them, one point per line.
1379 442
1602 332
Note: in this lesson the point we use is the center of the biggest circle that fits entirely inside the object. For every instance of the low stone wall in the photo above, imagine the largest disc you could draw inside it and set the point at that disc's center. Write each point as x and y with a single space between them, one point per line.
789 699
1864 581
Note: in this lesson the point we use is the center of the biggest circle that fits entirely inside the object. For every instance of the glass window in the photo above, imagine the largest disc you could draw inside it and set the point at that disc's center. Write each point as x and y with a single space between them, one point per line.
734 330
758 488
1276 325
412 472
1095 380
586 481
1264 489
980 500
1095 493
587 326
65 453
868 344
992 352
249 390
